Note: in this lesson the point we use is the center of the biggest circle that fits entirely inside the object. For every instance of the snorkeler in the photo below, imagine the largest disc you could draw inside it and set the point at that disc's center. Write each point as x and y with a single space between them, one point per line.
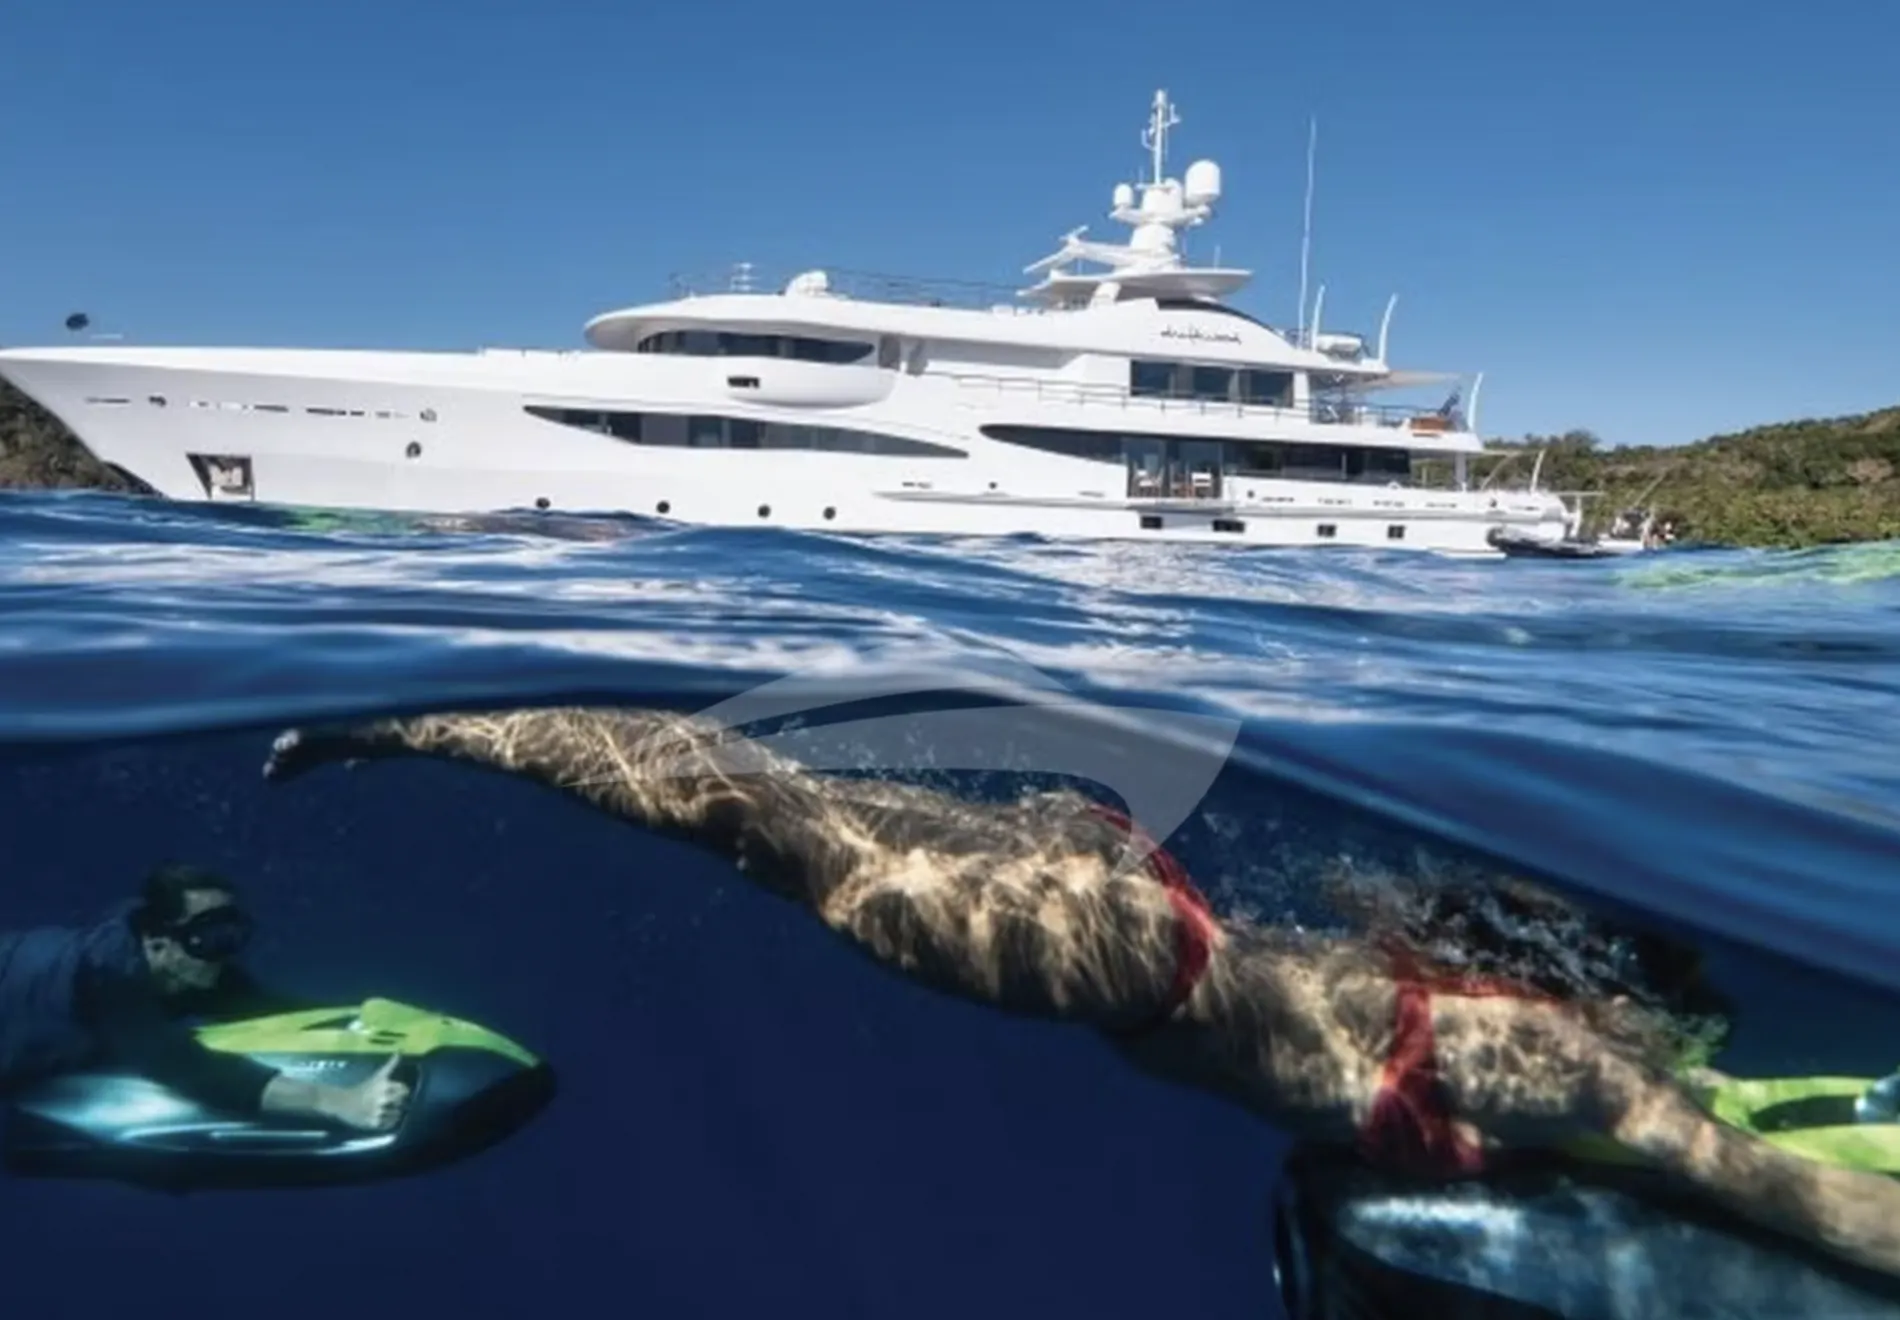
1340 1041
117 993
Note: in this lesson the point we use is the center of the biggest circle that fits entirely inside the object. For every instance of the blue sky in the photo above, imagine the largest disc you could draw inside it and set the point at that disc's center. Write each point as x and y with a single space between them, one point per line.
1654 221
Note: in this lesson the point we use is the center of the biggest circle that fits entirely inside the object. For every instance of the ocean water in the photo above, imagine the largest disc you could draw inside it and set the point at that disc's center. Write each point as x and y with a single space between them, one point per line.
751 1115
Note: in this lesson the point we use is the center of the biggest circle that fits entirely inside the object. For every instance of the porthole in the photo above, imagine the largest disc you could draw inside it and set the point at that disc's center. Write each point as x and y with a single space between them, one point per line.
765 511
541 503
414 450
830 513
665 506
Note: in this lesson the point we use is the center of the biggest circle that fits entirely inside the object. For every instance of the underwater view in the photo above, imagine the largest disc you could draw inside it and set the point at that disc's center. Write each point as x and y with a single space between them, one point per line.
681 921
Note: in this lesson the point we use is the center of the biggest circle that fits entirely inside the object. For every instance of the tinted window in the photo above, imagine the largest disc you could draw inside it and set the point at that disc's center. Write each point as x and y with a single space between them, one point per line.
1271 388
1103 445
1182 380
1301 462
1212 383
727 343
1151 378
710 431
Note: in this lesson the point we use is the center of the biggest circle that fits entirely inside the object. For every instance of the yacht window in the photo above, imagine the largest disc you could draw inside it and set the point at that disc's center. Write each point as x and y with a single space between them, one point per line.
1272 389
749 346
1184 455
1314 462
1151 378
1104 446
1256 459
730 343
1212 383
1390 464
1217 384
708 431
826 350
657 428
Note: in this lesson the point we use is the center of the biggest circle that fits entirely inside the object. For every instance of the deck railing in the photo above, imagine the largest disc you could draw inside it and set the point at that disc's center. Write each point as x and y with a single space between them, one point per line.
1417 421
864 286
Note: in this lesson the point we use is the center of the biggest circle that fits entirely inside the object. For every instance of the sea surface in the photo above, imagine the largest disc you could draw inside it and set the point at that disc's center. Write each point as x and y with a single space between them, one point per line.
751 1114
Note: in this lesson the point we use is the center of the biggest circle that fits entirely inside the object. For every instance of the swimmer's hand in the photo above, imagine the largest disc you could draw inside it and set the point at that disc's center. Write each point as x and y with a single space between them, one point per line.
297 751
374 1104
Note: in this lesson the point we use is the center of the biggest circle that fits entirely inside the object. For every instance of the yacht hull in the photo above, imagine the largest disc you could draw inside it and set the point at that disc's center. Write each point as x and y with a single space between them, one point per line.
453 434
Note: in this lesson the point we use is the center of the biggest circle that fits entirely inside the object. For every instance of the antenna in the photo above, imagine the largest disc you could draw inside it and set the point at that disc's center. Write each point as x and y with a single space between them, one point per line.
1306 229
1385 324
1155 136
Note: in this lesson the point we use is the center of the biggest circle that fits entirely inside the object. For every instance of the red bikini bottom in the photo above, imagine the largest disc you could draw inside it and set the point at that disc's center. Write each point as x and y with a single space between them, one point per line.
1409 1129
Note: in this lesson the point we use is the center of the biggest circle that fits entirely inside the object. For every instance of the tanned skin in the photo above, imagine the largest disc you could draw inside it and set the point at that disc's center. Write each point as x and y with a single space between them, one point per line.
1033 907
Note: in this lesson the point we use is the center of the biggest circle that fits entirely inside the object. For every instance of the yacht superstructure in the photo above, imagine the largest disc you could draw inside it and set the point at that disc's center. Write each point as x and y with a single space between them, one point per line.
1124 401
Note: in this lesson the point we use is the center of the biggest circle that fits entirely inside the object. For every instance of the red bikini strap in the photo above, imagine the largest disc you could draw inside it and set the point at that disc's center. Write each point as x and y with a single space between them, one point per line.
1194 933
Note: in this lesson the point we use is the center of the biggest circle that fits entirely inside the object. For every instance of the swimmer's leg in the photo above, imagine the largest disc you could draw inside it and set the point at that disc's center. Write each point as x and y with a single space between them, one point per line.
1852 1213
1531 1074
1022 905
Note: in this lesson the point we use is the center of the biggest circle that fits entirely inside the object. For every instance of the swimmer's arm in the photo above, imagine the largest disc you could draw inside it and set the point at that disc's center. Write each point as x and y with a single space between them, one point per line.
677 775
169 1054
136 1030
965 898
296 1097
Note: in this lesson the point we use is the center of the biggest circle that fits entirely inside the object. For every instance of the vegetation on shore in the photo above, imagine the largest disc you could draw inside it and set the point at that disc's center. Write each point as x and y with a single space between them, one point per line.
1793 484
1789 485
37 451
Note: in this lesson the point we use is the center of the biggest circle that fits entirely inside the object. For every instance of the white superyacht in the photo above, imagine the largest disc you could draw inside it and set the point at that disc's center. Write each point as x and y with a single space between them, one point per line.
1126 401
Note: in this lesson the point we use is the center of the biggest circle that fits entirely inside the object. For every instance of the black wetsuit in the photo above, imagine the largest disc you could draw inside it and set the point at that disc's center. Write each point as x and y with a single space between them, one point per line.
73 998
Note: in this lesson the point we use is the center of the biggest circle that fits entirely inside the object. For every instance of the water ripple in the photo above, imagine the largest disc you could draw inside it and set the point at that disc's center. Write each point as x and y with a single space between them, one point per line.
1638 698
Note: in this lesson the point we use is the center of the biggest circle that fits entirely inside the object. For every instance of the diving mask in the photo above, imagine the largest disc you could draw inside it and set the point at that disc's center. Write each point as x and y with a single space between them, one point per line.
214 934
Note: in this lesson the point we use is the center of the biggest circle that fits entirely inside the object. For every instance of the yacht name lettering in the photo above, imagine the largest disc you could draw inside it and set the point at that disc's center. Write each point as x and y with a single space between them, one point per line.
1195 332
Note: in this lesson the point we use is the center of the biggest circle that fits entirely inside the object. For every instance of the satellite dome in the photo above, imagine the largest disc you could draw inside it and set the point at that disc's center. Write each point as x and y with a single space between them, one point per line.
1203 183
808 284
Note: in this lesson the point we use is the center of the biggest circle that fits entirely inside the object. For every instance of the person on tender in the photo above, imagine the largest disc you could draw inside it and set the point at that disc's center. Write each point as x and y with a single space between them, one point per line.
119 993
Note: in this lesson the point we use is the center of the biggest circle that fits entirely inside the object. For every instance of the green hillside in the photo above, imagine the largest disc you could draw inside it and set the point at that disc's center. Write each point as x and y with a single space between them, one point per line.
1814 482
